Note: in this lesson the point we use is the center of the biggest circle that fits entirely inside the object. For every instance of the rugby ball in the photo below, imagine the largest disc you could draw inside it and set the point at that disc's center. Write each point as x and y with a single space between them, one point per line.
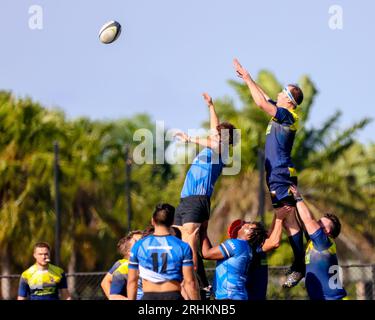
109 32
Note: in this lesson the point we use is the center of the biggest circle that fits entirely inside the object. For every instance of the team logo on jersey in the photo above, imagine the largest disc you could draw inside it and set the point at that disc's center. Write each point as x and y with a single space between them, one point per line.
232 245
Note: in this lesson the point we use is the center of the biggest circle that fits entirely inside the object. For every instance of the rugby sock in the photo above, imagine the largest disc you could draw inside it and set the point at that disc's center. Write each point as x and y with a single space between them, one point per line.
296 242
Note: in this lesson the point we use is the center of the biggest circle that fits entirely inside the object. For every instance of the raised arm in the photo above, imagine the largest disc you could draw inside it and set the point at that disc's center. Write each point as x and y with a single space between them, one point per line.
209 252
306 215
260 98
205 142
214 119
273 241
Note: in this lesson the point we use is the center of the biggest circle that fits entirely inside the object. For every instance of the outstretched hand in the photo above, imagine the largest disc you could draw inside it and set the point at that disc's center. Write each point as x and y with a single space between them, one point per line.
241 71
182 136
208 99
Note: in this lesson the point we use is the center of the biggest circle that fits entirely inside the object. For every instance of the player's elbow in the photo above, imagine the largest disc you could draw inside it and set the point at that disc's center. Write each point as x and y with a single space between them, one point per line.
103 284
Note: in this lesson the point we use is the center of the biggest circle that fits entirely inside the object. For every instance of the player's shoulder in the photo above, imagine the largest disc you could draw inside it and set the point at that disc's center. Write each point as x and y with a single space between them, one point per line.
123 267
177 242
29 272
139 243
237 244
55 269
119 262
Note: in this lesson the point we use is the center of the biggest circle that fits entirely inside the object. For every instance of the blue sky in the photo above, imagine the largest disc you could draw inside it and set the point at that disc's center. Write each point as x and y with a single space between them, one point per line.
171 51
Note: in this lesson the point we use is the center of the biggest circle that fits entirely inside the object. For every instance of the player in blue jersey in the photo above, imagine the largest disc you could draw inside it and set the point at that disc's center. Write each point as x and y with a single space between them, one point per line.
257 275
162 261
323 275
280 171
43 280
194 209
234 256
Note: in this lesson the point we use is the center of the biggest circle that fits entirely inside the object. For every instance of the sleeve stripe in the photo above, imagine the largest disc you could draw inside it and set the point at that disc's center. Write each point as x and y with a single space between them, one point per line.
225 249
185 261
133 263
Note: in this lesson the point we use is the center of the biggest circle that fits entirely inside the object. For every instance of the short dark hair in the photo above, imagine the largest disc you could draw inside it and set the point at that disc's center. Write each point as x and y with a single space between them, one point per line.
258 235
296 93
123 245
164 214
226 126
336 229
42 245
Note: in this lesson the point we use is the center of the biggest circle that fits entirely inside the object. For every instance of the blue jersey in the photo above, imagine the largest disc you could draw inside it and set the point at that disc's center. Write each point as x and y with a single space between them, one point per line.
257 279
160 258
231 272
203 173
119 272
280 136
42 284
322 280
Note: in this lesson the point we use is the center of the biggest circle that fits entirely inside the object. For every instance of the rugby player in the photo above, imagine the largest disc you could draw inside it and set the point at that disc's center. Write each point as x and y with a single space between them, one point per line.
43 280
323 276
235 255
123 247
280 171
194 208
162 261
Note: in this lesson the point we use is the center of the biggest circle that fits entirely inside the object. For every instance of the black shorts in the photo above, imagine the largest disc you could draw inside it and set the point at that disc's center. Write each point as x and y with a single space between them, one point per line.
168 295
193 209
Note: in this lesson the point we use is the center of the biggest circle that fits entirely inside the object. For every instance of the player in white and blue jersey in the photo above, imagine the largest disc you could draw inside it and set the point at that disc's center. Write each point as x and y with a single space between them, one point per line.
162 261
194 209
234 256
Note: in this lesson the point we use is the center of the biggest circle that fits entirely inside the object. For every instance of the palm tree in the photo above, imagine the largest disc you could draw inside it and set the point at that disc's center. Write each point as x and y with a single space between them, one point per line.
26 164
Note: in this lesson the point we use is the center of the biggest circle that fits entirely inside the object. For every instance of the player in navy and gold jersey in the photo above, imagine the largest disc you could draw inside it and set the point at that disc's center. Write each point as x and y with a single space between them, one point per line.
194 208
43 281
162 261
234 256
123 247
323 275
280 171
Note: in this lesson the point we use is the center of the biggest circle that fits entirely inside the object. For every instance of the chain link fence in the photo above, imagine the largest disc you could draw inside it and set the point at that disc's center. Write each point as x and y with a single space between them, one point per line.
359 282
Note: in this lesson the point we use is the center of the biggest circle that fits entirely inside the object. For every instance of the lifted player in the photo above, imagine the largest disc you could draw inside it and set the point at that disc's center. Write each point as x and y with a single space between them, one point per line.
194 208
280 171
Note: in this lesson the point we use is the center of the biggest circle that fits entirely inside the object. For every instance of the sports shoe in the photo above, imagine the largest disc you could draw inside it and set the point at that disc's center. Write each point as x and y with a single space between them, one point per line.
293 277
206 293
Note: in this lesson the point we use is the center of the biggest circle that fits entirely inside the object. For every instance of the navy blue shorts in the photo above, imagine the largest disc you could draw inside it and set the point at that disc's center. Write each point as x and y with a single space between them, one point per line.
279 182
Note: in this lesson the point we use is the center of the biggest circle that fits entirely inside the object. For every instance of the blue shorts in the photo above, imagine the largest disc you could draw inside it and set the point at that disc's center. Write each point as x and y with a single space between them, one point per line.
279 182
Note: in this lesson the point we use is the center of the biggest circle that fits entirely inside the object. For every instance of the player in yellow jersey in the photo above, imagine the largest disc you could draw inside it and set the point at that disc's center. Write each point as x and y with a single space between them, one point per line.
120 266
43 280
